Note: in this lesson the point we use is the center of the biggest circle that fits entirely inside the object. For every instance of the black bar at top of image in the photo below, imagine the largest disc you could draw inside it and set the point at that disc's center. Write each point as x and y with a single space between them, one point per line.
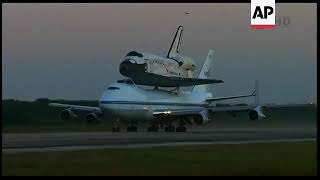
152 1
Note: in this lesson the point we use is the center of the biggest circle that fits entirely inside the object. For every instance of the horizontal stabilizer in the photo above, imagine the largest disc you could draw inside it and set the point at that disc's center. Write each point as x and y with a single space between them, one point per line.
229 97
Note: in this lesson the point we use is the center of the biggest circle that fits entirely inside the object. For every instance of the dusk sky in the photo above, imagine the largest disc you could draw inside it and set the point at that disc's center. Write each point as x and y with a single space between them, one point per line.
73 51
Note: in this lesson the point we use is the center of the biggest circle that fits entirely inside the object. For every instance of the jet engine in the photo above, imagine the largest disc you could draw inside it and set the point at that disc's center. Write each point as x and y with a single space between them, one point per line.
256 114
201 118
91 118
66 114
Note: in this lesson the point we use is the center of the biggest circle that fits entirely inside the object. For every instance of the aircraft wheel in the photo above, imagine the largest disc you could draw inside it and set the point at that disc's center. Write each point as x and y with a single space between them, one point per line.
116 129
90 119
169 129
153 129
132 129
181 129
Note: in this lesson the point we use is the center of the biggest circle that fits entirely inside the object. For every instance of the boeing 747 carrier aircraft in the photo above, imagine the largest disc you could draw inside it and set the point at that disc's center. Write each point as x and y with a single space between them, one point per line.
172 110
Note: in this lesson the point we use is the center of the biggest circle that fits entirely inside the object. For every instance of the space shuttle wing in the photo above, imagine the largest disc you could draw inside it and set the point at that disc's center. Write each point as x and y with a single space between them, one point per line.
165 81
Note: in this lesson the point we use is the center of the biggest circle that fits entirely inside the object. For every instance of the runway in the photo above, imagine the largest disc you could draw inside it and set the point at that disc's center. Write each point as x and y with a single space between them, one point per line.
31 142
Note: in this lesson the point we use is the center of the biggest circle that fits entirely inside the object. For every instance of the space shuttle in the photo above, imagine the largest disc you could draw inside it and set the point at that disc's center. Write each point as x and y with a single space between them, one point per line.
172 70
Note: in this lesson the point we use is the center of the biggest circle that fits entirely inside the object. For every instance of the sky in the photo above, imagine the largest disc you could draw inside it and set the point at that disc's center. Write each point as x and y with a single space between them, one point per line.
73 51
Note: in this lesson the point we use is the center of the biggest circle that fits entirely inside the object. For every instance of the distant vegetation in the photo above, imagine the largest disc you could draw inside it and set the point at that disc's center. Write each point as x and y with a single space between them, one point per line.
37 116
16 112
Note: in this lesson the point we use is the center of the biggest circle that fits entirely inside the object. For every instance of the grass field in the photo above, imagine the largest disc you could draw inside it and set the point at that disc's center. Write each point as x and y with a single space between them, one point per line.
66 127
297 158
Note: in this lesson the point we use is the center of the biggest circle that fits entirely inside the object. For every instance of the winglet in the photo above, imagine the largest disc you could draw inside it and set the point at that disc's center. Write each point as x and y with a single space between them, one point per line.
257 93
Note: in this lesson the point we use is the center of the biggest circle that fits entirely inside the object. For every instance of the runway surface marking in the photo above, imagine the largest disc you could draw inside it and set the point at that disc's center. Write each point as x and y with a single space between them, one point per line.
36 142
149 145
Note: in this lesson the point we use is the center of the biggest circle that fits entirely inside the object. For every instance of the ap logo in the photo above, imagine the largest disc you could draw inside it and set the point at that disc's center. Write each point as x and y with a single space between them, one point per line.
263 14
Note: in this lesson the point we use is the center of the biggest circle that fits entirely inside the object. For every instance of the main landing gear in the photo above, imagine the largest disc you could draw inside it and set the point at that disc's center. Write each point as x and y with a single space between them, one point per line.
181 129
172 128
132 127
153 128
116 126
175 129
115 129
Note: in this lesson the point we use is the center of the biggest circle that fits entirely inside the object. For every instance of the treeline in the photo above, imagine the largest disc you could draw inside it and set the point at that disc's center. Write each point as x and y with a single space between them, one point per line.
16 112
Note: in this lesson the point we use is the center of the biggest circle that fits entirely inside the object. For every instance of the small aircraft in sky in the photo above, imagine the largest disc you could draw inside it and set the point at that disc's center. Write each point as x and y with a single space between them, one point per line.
172 70
126 102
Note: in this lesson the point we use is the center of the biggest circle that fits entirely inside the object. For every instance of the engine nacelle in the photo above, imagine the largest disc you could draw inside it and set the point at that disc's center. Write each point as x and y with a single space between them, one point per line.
202 118
256 113
66 114
92 118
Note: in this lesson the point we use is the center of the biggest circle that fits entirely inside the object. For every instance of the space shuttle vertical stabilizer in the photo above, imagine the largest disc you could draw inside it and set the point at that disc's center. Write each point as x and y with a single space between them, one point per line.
176 43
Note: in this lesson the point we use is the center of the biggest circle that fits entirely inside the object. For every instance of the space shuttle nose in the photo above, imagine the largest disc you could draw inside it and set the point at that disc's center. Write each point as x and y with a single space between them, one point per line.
124 68
130 68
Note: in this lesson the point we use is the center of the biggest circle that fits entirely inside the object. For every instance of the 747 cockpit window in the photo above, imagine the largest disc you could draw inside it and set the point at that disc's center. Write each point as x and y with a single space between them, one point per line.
113 88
